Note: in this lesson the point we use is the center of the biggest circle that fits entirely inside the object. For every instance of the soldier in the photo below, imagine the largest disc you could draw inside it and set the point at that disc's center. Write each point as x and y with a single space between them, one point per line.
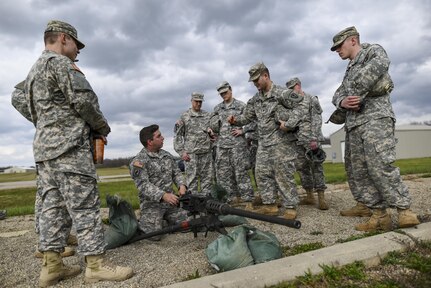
275 166
18 101
154 172
309 135
364 97
193 137
232 161
64 109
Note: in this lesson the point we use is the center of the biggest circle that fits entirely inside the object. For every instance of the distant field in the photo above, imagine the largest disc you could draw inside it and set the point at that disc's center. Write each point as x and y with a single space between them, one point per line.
21 201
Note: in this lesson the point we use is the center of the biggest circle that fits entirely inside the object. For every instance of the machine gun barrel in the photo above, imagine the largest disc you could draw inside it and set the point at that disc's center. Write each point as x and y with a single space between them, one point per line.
213 206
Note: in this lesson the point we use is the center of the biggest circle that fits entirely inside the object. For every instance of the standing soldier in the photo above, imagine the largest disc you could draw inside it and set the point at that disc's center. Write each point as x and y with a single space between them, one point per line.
232 161
193 137
364 97
310 156
65 111
275 166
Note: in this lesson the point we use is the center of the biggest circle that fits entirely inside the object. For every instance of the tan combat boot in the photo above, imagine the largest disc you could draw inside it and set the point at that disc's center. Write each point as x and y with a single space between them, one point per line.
406 218
72 240
323 205
257 201
379 221
267 209
359 210
100 269
53 269
290 213
68 251
309 199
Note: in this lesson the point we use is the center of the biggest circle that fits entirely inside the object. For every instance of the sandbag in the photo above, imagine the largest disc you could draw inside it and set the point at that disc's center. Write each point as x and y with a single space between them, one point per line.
264 246
122 222
229 252
232 220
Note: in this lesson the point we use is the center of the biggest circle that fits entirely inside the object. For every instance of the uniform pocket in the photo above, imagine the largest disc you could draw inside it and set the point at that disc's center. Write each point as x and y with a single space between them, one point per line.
386 150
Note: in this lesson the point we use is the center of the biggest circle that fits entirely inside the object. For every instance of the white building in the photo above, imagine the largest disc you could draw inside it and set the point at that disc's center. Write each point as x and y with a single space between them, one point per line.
413 141
17 169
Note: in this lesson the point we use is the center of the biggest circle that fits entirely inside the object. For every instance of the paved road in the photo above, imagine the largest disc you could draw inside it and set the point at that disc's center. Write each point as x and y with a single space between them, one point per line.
27 184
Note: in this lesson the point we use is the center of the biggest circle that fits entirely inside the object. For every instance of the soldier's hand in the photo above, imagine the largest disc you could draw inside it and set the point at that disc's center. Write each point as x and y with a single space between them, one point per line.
351 103
182 190
185 156
313 145
236 132
231 119
282 127
170 198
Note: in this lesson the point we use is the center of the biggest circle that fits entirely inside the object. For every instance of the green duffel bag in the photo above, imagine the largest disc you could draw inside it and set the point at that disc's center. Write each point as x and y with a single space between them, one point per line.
229 252
232 220
264 246
122 222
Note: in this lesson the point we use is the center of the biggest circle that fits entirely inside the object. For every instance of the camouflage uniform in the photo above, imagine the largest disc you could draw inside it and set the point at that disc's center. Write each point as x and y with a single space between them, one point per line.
252 139
310 173
370 142
154 175
64 109
275 166
191 136
232 158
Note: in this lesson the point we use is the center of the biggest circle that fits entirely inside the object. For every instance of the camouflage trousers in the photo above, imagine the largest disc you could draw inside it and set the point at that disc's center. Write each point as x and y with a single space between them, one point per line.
369 155
199 170
153 214
275 171
311 174
232 174
252 150
66 196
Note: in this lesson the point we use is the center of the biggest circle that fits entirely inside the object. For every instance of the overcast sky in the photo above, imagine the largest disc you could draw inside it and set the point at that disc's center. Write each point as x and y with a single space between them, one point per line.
145 58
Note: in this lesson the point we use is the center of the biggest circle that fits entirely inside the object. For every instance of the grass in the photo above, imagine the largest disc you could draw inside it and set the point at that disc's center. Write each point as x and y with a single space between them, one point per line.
411 268
20 201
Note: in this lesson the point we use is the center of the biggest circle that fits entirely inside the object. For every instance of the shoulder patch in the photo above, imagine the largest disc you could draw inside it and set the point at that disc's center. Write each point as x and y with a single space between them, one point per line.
294 97
138 164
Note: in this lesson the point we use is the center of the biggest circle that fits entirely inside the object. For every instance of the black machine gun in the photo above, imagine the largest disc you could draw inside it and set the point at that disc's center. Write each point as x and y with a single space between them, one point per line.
208 211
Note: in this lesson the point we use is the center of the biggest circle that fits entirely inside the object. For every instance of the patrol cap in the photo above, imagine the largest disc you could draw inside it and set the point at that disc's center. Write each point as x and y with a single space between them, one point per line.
342 35
197 96
292 82
255 71
223 87
63 27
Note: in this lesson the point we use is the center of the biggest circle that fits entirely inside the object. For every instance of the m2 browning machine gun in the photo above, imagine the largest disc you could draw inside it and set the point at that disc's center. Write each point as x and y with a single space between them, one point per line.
208 211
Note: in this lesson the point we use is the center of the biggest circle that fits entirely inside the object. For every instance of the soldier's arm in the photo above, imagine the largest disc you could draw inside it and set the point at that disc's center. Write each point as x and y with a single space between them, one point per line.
376 65
146 190
81 96
19 101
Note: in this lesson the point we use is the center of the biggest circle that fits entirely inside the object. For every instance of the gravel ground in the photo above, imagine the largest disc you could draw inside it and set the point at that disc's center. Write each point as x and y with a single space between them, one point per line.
180 255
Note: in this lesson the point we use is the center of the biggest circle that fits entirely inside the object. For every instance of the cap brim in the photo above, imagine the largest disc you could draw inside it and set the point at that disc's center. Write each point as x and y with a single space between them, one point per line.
79 44
253 78
223 90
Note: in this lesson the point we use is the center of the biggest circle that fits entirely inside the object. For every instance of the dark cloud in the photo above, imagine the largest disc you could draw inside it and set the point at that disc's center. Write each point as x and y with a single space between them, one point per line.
144 58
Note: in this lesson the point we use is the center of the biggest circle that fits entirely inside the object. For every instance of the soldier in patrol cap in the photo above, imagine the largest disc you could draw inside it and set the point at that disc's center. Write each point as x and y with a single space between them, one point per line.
193 142
370 142
309 136
66 172
273 109
232 161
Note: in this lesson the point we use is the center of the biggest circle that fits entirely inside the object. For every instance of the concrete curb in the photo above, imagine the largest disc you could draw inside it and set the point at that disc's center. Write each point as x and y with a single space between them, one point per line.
369 250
